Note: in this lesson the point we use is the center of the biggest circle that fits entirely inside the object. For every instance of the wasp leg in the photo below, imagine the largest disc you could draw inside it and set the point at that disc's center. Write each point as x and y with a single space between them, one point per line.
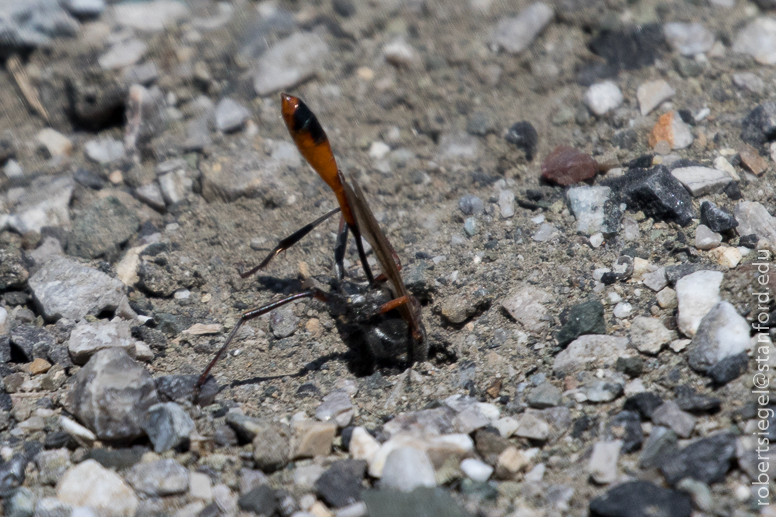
362 256
339 249
255 313
289 241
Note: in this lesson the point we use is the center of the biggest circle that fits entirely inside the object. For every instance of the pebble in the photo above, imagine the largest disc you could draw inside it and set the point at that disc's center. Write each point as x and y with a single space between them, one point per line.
471 205
696 294
271 446
336 407
588 204
603 391
758 39
701 181
656 280
671 129
661 444
476 470
312 438
583 318
289 62
63 288
406 469
283 322
603 461
526 307
511 462
175 186
104 150
85 8
456 146
168 426
545 233
688 39
12 472
531 425
230 116
753 218
153 16
55 143
700 493
29 342
21 503
39 366
590 350
655 192
363 446
749 81
200 486
566 166
726 256
391 503
543 396
652 94
124 54
670 415
340 485
641 499
52 465
158 478
758 126
722 333
112 394
516 34
77 431
603 97
101 228
751 159
649 335
87 338
728 369
152 196
262 500
524 136
90 484
705 239
506 203
401 54
706 460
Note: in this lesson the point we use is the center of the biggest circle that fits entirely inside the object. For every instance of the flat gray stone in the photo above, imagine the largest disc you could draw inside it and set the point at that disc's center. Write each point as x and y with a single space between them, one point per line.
158 478
289 62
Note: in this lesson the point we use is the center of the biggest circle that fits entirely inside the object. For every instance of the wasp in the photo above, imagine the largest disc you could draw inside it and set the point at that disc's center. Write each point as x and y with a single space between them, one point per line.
380 320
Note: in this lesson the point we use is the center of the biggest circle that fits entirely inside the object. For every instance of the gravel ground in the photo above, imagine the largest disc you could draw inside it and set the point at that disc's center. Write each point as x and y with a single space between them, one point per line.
579 193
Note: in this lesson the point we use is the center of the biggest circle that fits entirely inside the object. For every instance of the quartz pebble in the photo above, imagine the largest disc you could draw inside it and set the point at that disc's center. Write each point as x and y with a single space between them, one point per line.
705 239
526 307
588 204
86 339
476 470
651 94
603 462
696 294
666 298
516 34
726 256
721 333
688 39
758 39
406 469
336 407
603 97
54 142
401 54
701 181
90 484
593 350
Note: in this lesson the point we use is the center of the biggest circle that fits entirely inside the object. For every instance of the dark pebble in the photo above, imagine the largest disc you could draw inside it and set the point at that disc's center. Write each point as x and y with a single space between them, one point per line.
12 474
630 366
733 191
567 166
89 179
630 48
581 425
29 342
261 500
58 354
609 278
16 297
5 349
748 241
426 502
152 337
715 218
706 460
729 369
210 510
581 319
626 426
656 192
340 485
308 390
225 436
60 439
596 72
6 402
642 162
696 403
759 126
117 459
345 8
641 499
346 435
686 116
523 135
644 403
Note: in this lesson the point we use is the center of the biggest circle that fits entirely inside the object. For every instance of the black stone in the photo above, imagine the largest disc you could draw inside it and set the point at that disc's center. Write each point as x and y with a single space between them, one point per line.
641 499
151 337
706 460
16 297
12 474
308 390
525 138
630 48
728 369
29 342
421 502
5 349
674 273
345 8
60 439
715 218
260 500
630 366
626 426
346 435
58 354
595 72
6 402
733 191
118 459
656 192
88 179
182 388
581 319
698 403
759 126
642 162
609 278
341 484
644 403
748 241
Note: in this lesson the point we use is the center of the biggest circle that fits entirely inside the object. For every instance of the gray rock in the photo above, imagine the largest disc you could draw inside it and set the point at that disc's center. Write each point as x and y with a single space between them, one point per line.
706 460
52 465
272 446
656 280
603 461
112 394
702 181
158 478
153 16
262 500
669 415
594 350
533 425
506 203
705 239
13 273
30 24
406 469
649 335
63 288
525 306
30 342
289 62
84 8
756 39
749 81
101 228
660 445
168 426
471 205
46 202
230 116
104 150
753 218
603 391
588 206
696 294
543 396
283 322
336 406
688 39
87 338
21 504
151 195
175 185
516 34
722 333
52 507
390 503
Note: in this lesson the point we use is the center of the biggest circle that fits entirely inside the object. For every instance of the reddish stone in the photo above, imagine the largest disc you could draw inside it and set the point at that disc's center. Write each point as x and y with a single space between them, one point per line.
566 166
751 159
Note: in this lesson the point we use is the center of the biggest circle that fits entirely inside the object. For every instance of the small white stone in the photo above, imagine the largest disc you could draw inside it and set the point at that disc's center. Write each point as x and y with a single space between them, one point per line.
596 239
651 94
705 239
622 310
506 203
476 470
696 295
401 54
55 143
603 462
516 34
603 97
726 256
200 486
666 298
406 469
688 39
363 446
721 163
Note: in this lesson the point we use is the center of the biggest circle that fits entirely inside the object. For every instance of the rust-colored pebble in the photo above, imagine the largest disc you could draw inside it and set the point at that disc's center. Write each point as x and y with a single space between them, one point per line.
566 166
751 159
